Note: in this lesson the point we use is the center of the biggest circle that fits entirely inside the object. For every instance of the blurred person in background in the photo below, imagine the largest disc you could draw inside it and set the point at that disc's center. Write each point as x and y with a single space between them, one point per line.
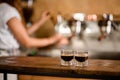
14 32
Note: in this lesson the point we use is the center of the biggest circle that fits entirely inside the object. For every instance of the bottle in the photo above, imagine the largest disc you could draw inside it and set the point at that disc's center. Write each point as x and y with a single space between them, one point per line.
108 29
62 27
60 20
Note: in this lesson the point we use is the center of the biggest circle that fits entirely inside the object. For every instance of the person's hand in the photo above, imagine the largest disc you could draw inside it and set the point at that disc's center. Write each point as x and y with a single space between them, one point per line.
63 41
45 16
58 40
55 38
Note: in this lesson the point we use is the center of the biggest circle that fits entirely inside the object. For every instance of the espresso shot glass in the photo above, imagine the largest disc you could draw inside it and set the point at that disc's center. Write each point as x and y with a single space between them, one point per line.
67 57
81 58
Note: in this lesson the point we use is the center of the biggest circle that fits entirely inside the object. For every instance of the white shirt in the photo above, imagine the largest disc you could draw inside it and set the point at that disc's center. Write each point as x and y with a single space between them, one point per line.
7 40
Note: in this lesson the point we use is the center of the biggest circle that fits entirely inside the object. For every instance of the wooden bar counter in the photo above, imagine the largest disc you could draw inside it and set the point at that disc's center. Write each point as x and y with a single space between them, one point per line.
49 66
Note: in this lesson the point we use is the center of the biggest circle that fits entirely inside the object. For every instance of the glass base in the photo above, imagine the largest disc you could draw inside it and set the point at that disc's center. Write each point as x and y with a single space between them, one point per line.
66 63
81 64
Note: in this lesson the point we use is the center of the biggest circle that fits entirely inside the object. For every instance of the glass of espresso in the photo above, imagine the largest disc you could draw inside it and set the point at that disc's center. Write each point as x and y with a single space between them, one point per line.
67 57
81 58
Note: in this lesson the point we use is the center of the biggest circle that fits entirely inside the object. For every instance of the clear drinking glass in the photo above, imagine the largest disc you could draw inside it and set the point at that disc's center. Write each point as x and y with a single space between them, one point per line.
67 57
81 58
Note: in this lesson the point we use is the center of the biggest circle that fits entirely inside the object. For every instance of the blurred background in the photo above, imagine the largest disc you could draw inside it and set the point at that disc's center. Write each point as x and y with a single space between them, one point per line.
93 25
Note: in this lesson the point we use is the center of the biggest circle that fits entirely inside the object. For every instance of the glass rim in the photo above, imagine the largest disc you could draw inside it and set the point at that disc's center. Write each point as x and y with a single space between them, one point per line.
81 51
62 50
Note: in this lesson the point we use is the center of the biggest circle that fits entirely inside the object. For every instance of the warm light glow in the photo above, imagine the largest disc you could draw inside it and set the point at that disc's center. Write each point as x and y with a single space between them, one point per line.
79 16
30 3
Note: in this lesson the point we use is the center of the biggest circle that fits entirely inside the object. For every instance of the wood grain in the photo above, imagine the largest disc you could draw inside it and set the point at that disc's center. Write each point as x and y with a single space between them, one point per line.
48 66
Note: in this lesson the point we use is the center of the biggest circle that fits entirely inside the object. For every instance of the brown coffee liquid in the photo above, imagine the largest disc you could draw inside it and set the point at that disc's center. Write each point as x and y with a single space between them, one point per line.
81 58
67 58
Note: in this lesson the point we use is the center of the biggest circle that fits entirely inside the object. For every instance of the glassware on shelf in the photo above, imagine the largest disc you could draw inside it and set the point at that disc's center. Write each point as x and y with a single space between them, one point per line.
62 27
79 17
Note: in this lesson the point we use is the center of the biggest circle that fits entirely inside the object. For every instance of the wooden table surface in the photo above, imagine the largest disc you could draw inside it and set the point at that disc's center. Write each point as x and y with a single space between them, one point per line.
49 66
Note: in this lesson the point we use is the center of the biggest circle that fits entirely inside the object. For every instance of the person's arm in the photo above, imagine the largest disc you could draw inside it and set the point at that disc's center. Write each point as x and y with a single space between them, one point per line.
21 34
44 17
